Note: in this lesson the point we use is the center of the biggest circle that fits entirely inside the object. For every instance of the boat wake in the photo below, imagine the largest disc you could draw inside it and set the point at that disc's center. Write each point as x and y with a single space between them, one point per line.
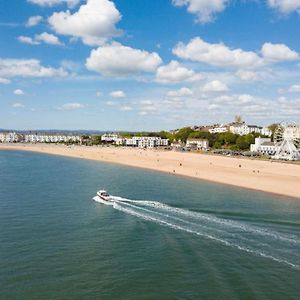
280 247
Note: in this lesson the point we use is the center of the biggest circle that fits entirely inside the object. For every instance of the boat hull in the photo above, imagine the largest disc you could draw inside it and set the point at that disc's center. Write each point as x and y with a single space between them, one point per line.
100 200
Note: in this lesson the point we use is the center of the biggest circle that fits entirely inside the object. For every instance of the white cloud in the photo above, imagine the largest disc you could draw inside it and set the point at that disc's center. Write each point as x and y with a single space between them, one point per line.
44 37
294 88
285 6
117 94
18 92
278 53
111 103
70 3
220 55
216 54
247 75
118 60
175 73
71 106
4 81
18 105
215 86
27 68
125 108
204 9
48 38
143 113
99 94
94 22
213 106
33 21
147 106
27 40
182 92
245 99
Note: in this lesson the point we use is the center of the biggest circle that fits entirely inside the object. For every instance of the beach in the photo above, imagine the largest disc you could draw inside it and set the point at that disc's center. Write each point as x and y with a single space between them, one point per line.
267 176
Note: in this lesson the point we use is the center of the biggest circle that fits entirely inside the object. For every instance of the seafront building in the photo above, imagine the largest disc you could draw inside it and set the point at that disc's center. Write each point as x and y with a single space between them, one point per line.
110 137
146 142
197 144
12 137
264 146
244 129
135 141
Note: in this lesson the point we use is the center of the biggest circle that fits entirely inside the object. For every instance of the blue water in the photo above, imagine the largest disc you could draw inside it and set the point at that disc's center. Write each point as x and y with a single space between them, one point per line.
167 237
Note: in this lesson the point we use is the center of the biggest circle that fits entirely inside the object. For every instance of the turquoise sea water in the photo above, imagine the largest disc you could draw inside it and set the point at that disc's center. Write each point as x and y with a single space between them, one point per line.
167 237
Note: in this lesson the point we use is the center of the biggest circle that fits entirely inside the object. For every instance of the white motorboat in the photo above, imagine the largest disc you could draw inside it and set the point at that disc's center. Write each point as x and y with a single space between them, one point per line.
104 197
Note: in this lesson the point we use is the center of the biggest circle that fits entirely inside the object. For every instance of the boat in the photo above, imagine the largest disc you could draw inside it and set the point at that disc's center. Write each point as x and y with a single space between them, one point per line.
104 197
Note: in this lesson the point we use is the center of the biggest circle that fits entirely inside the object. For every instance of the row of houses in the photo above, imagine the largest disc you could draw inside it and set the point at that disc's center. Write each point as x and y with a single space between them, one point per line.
241 129
12 137
135 141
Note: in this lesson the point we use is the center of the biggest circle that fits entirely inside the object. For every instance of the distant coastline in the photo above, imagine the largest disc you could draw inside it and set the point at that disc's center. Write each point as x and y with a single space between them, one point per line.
267 176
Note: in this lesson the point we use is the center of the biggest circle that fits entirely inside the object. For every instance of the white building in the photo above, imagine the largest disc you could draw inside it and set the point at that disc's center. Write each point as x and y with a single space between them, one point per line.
146 142
110 137
43 138
264 146
199 144
219 129
10 137
266 131
243 129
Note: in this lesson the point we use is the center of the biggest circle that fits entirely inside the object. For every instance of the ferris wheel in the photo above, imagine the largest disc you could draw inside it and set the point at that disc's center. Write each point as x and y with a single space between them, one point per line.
287 140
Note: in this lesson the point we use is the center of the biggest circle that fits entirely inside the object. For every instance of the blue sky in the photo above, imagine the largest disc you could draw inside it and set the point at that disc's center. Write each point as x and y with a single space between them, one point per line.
148 64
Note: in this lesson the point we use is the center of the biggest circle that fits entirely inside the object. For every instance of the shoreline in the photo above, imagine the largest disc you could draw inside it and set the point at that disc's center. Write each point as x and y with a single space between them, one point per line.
266 176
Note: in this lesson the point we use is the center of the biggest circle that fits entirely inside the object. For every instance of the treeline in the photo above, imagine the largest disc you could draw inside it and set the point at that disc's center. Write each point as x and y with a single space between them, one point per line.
226 140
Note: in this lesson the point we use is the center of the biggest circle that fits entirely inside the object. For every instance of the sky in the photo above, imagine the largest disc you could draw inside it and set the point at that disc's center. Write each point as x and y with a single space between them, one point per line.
148 64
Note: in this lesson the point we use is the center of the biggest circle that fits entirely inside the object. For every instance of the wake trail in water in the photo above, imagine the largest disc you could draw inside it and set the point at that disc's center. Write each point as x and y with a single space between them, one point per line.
280 247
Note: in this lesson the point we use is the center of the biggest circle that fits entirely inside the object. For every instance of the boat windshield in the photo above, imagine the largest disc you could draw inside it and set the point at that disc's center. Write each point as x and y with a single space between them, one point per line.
104 194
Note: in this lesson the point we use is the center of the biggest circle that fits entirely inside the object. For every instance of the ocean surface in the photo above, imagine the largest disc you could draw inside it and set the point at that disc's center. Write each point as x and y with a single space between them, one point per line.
167 237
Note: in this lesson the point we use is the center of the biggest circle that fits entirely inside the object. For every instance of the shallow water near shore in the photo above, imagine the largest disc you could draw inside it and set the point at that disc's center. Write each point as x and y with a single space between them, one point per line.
167 237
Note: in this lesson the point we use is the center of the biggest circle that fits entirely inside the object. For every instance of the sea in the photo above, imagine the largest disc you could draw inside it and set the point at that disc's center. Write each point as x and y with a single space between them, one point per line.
166 237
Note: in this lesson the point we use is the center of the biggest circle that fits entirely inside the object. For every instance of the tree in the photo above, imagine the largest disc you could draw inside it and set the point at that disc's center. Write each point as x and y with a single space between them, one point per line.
241 143
183 134
217 145
250 138
273 127
230 138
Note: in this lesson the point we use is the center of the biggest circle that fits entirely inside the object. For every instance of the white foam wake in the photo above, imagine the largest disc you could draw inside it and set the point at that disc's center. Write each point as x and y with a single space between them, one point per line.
280 247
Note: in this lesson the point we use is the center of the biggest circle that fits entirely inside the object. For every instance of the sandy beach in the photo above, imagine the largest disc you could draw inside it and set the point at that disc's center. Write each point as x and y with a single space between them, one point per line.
267 176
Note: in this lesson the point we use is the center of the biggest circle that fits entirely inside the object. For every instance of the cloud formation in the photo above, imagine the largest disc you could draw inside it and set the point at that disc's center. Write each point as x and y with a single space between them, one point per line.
27 68
33 21
50 3
70 106
175 73
94 22
18 92
117 94
47 38
285 6
204 9
215 86
118 60
220 55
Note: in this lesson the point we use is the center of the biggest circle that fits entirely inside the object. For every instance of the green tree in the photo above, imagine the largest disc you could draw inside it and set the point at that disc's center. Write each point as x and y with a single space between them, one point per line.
230 138
250 138
217 145
241 143
183 134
